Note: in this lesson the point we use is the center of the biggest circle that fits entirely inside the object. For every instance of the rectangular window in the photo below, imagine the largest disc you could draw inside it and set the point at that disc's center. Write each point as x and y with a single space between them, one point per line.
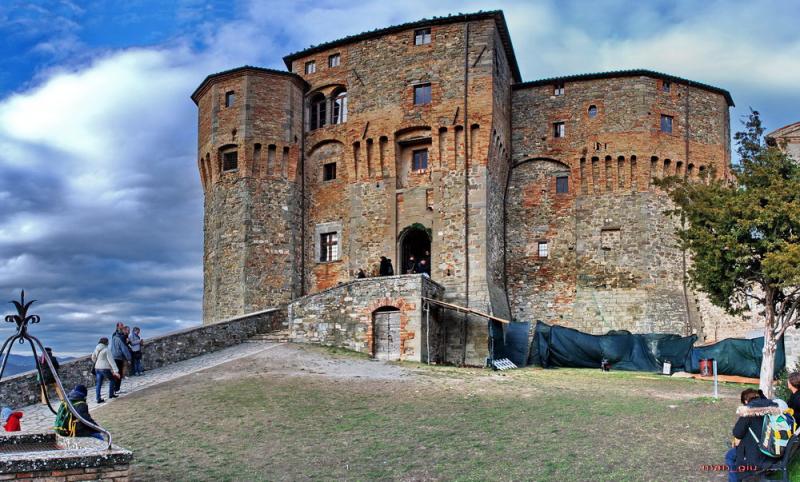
230 161
311 67
230 97
333 60
558 89
562 184
329 171
419 161
422 36
544 250
666 124
422 94
559 129
666 85
329 246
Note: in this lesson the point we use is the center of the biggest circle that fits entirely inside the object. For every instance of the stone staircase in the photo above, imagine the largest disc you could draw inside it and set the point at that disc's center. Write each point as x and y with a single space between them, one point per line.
278 336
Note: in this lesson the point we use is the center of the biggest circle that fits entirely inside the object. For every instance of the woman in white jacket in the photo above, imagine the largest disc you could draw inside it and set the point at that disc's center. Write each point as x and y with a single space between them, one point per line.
104 367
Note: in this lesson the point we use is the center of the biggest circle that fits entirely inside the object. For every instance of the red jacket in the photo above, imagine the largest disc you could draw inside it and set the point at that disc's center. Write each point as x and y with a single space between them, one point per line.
12 425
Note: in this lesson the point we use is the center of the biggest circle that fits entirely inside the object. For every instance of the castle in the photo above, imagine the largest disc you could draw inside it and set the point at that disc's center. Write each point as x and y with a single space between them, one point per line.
532 200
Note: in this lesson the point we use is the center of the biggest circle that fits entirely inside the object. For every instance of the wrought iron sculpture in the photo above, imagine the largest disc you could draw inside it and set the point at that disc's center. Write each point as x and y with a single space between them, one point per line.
22 318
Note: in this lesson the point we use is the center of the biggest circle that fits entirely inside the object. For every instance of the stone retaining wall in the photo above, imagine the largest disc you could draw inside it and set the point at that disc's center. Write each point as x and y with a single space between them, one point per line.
342 316
22 389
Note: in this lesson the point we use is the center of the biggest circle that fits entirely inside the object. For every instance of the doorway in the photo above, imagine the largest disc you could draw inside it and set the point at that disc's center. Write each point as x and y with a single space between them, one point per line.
414 241
386 333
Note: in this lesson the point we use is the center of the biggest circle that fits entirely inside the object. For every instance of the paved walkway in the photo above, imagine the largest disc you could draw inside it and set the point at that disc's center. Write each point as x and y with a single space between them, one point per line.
39 417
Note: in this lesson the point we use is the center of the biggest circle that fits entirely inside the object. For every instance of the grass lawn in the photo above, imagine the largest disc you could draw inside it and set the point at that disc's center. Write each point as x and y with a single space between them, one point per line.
291 415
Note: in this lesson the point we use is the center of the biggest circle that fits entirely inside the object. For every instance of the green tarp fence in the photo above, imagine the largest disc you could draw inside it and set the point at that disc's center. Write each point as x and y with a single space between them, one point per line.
558 346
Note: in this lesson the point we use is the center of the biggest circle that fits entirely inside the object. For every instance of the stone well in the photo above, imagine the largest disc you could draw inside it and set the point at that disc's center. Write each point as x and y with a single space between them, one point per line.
47 456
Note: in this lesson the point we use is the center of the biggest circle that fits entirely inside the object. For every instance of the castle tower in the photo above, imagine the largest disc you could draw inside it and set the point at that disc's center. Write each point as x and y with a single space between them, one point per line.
249 143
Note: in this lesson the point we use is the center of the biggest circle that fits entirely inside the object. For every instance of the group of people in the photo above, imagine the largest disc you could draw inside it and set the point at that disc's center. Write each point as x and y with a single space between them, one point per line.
112 359
411 266
745 456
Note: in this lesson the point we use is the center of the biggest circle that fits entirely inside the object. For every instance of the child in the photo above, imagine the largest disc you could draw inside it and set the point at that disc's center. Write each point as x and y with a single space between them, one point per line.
11 420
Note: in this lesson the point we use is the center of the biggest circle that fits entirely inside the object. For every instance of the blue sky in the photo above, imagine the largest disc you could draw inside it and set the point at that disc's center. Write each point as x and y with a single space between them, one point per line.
100 201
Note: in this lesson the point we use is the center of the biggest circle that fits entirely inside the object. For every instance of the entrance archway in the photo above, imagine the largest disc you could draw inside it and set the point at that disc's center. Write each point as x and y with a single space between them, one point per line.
386 333
414 241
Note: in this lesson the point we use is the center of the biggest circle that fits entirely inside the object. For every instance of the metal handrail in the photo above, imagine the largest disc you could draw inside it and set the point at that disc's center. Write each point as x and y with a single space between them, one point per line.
22 319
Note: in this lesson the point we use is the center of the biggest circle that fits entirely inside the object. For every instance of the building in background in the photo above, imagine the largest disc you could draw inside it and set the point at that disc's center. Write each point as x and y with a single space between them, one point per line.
788 139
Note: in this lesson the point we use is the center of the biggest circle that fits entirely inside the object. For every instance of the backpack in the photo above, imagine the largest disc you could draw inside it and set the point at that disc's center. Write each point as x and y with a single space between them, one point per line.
776 430
66 423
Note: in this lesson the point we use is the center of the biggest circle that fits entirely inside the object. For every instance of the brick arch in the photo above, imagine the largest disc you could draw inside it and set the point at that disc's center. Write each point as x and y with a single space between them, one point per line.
402 305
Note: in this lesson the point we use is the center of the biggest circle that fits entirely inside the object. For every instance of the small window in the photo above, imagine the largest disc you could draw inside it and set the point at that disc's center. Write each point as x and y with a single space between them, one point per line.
592 111
666 124
419 161
422 36
311 67
562 184
559 129
230 98
230 161
422 94
329 246
333 60
544 250
558 89
666 85
329 171
318 115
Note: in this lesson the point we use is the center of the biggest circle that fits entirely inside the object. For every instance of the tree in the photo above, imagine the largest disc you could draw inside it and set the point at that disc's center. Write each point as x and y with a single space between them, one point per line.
744 236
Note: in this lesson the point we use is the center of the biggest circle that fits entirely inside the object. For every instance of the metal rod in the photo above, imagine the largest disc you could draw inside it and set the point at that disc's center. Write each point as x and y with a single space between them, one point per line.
716 388
5 358
428 329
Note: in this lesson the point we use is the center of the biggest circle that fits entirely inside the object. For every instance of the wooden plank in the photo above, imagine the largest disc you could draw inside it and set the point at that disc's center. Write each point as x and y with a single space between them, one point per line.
465 310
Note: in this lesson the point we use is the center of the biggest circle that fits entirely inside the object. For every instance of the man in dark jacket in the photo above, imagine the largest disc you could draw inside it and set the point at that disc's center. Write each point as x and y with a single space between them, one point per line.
49 381
386 268
121 353
746 457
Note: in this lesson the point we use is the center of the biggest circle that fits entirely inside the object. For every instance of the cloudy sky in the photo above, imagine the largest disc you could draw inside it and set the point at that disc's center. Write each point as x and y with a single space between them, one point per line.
100 200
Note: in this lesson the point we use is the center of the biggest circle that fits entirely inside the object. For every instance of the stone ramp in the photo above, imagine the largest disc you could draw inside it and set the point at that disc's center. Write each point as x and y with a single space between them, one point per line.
38 417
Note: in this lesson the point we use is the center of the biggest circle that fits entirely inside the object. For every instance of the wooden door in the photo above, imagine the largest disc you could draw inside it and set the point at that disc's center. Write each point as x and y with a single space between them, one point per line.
386 335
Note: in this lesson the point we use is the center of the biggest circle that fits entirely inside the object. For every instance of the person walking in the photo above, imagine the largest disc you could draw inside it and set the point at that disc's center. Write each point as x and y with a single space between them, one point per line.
121 354
105 368
135 343
49 382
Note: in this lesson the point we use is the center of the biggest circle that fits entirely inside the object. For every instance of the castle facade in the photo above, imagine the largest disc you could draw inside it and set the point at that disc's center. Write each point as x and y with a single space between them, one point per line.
531 200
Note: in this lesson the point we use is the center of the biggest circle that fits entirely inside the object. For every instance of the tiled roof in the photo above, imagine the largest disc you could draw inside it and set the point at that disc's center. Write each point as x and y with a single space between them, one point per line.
238 70
627 73
497 15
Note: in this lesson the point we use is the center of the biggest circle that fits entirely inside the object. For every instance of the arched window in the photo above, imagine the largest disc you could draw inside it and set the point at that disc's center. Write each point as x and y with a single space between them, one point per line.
592 111
318 114
339 107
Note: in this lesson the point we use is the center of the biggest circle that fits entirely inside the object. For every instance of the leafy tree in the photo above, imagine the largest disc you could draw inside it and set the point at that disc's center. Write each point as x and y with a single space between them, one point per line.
744 236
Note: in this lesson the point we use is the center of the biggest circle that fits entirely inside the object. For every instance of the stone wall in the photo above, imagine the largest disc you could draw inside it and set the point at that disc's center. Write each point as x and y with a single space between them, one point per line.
613 261
343 315
22 389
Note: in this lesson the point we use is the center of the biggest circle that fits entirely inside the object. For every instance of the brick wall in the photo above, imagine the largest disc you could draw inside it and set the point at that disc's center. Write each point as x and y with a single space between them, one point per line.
22 389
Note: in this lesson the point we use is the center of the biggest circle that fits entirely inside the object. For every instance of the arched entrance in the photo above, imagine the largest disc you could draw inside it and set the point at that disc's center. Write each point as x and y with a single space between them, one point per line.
415 241
386 333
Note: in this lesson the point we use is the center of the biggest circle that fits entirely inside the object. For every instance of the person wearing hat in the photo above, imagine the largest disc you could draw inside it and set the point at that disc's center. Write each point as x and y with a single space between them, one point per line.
78 399
10 420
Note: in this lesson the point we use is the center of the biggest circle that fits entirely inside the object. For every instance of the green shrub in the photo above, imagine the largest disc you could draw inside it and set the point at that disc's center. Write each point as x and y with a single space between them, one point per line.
781 389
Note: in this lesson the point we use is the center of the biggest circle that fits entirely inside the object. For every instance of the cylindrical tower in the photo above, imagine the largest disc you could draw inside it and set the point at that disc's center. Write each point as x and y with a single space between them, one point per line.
249 143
